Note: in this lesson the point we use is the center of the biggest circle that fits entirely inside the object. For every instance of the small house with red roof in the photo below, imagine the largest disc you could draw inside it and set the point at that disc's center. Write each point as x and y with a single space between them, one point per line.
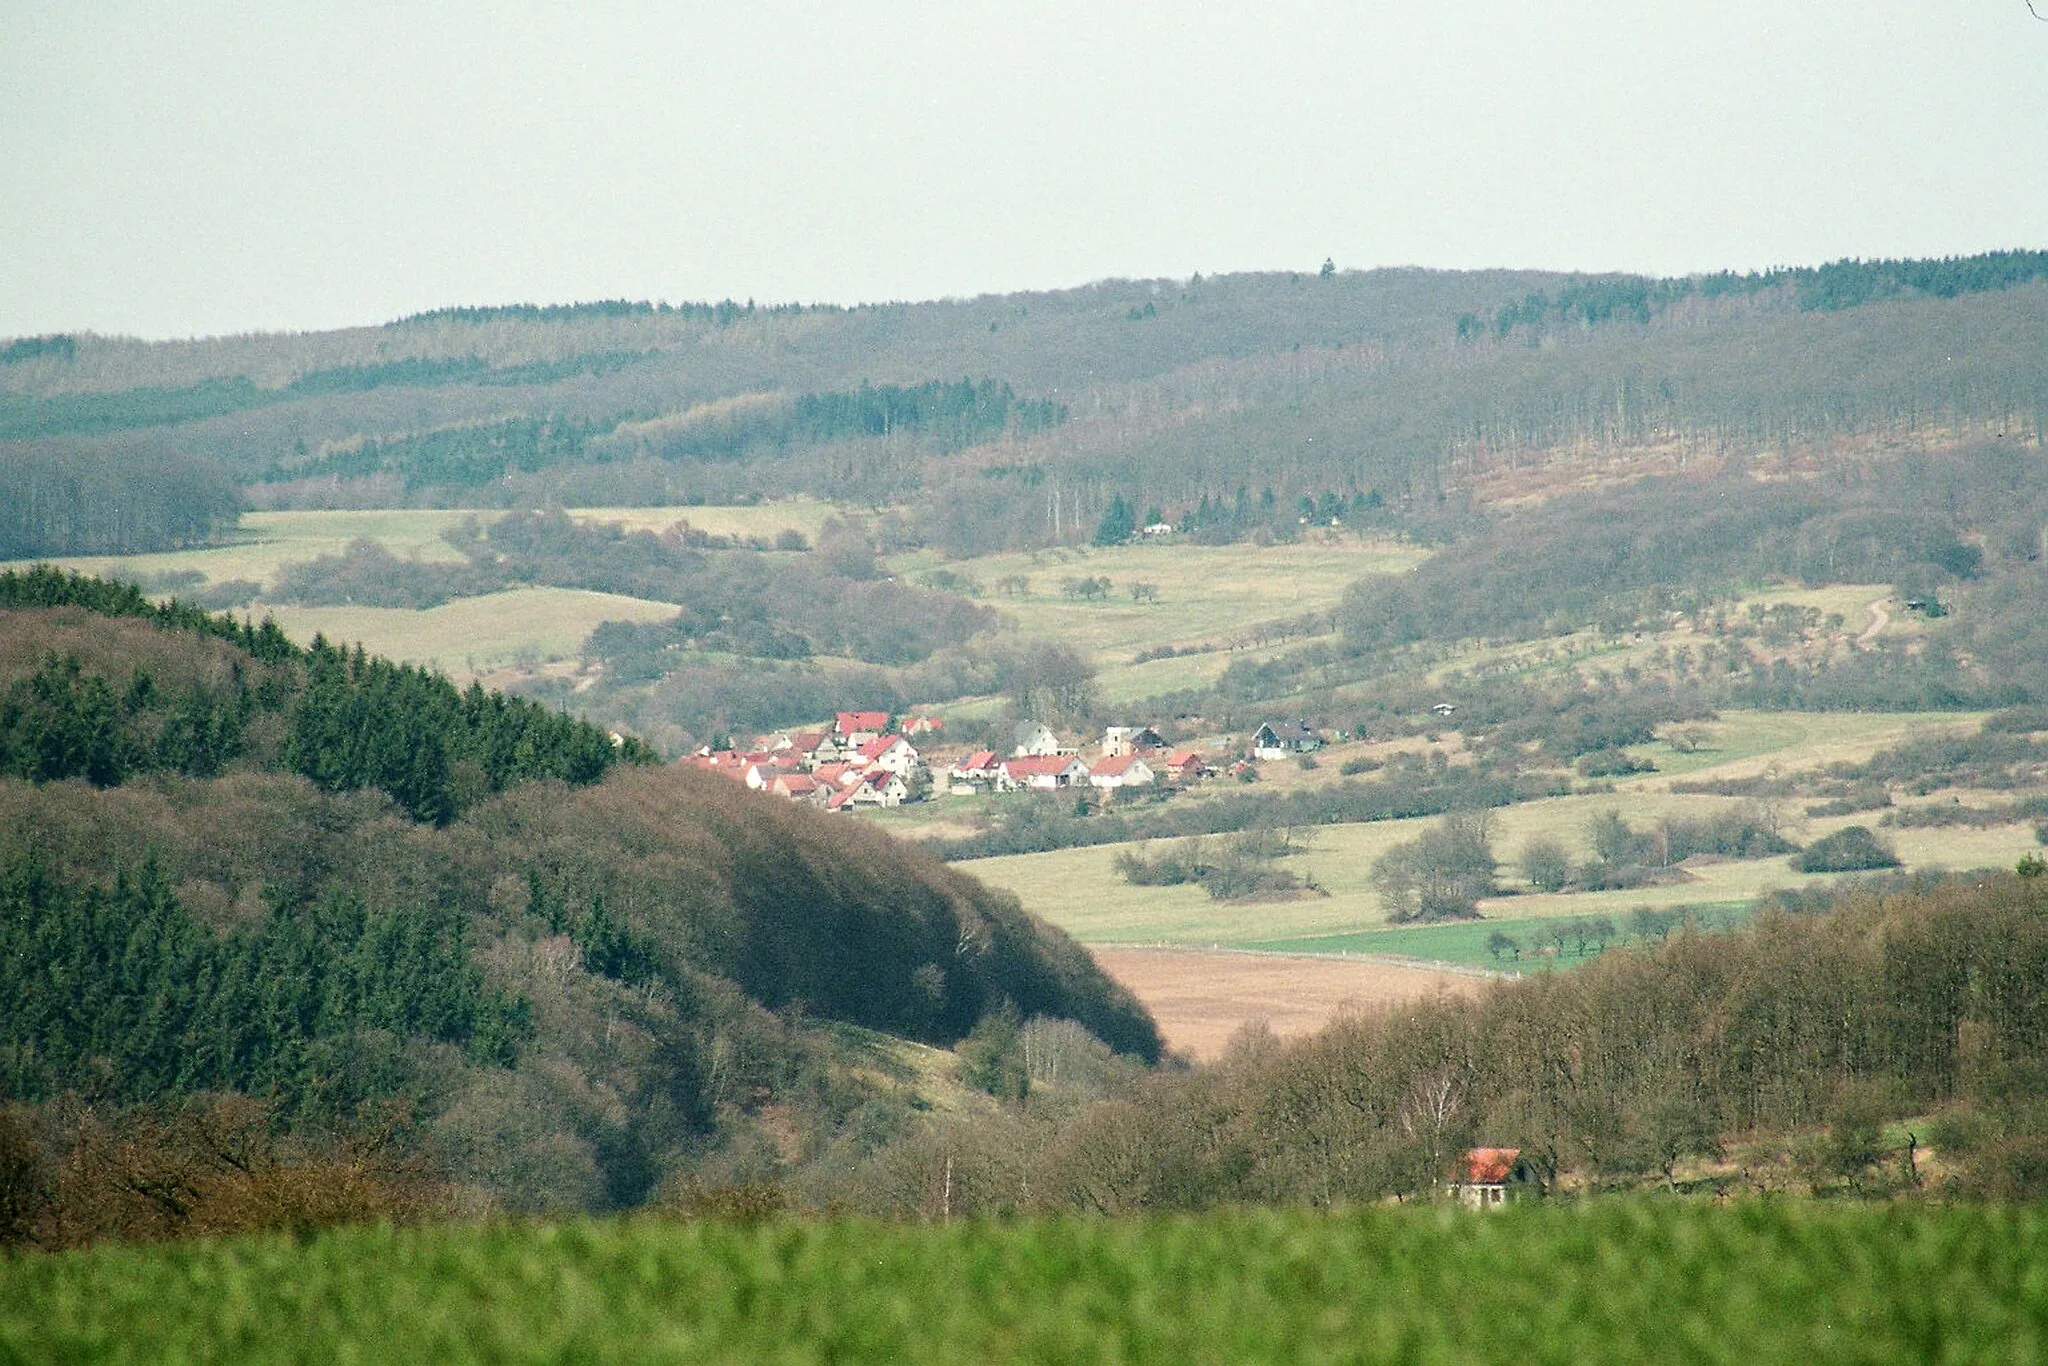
1486 1178
837 775
800 787
1128 770
1185 766
923 725
1042 772
878 787
975 772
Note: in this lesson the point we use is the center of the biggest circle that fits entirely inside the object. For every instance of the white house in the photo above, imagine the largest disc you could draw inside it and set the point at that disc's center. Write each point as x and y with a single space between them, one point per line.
1126 770
1045 772
1278 739
1034 739
891 752
878 787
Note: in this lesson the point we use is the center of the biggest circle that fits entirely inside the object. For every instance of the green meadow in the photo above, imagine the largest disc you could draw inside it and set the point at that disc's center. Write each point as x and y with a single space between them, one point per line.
1606 1281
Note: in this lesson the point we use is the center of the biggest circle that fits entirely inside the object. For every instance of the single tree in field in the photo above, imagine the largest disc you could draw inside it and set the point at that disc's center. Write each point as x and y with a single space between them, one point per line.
1546 864
1441 875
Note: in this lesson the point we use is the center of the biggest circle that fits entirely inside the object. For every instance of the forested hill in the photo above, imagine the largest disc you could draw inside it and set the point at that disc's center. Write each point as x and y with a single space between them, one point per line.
1015 420
349 891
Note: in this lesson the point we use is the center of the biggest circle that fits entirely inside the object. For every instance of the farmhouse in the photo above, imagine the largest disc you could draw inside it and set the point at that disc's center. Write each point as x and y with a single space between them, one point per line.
1128 770
1119 741
1045 772
1034 738
1186 766
877 787
1484 1177
1278 739
800 787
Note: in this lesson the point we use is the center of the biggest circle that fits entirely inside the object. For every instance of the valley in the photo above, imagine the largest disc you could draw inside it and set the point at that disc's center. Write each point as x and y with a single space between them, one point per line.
1413 667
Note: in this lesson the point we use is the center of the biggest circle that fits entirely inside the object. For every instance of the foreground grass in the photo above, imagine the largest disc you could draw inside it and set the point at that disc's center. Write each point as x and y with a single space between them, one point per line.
1611 1282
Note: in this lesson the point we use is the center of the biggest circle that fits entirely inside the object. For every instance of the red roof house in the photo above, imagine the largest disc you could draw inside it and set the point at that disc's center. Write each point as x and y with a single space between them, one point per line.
1484 1176
861 724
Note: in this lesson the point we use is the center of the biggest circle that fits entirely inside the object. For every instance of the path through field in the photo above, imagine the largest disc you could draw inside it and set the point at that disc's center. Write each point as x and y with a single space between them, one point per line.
1201 998
1879 619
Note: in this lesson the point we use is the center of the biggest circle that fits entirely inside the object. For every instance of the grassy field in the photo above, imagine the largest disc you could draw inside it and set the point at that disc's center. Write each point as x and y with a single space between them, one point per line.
763 520
1207 594
1080 890
265 542
1606 1281
525 626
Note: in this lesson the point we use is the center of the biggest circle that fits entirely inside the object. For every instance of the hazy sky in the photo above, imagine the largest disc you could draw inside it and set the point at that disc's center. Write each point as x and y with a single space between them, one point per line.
178 169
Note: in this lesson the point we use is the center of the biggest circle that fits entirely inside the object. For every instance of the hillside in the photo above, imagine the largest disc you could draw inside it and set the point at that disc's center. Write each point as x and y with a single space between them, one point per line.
542 966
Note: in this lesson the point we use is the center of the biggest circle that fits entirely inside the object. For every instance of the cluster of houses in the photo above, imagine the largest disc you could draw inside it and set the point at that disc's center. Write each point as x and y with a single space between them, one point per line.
862 760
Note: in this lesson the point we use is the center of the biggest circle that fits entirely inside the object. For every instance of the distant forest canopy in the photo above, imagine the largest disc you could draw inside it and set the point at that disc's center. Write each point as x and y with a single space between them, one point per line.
59 346
24 415
723 312
1837 285
468 456
1162 393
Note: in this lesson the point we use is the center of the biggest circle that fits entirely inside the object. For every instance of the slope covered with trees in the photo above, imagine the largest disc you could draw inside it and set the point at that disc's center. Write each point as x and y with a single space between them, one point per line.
568 972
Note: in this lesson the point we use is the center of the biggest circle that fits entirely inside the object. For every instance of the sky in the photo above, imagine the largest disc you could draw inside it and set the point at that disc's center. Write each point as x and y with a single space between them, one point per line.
171 170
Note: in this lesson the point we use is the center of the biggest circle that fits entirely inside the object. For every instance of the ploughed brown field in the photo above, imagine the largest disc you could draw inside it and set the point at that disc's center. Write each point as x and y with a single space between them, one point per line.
1201 998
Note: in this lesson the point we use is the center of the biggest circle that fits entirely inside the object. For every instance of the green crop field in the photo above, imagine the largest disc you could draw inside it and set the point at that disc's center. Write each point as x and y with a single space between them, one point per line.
1606 1282
1464 942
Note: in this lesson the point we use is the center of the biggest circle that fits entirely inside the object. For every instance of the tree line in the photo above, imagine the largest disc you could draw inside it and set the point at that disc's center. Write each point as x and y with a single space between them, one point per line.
59 501
1837 1020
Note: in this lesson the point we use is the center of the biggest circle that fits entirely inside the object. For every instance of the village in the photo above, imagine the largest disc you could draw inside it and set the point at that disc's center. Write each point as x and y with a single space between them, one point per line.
871 759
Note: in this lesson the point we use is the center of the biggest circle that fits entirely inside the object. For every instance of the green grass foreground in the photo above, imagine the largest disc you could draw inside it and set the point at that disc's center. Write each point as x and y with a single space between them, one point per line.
1607 1281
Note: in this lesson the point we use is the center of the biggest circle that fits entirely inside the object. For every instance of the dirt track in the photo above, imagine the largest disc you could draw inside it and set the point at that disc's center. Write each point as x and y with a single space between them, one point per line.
1201 999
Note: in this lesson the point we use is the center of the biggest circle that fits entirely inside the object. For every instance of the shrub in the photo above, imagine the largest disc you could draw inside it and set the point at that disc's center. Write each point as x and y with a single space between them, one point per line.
1852 849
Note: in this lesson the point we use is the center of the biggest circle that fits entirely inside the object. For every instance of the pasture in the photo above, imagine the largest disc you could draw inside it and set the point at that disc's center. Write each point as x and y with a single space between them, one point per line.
1080 890
1207 595
521 627
1610 1280
265 542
